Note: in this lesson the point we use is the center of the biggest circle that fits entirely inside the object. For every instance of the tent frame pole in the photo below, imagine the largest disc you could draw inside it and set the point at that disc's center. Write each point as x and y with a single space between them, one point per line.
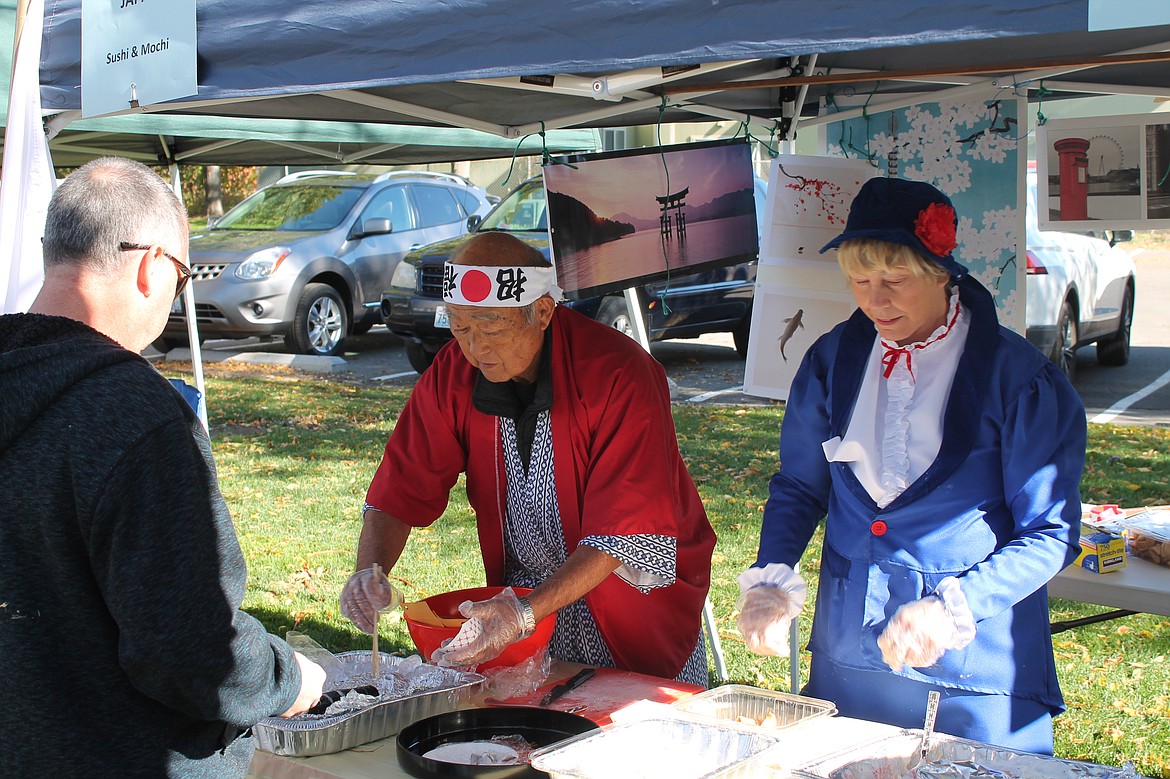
637 318
192 324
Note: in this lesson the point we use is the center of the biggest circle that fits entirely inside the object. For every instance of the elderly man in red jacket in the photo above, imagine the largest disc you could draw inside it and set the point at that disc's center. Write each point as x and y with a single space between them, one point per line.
563 427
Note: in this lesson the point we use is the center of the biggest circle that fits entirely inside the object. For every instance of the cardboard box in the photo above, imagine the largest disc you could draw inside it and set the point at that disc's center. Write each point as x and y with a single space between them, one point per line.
1101 552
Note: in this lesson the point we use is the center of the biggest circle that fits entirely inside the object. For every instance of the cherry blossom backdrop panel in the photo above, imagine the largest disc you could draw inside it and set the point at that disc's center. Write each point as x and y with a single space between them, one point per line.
974 152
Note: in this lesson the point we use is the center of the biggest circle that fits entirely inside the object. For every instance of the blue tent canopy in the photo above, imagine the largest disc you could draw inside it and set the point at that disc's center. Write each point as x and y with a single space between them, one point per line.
273 47
205 140
507 66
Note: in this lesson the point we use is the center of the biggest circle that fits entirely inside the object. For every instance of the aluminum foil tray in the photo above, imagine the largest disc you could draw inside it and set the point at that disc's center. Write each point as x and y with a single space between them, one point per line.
752 708
303 736
651 749
813 739
950 758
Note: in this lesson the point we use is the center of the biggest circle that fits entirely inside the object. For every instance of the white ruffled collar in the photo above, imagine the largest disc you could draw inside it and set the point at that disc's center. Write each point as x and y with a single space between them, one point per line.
894 352
895 430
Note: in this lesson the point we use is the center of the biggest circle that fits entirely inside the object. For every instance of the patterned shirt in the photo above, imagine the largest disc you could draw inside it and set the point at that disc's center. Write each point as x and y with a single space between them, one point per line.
534 548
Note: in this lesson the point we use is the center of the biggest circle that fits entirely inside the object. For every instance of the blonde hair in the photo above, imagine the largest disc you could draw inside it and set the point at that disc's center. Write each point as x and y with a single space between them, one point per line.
859 256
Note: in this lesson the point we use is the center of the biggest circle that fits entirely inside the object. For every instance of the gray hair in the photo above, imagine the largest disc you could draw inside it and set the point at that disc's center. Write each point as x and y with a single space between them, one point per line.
529 313
105 202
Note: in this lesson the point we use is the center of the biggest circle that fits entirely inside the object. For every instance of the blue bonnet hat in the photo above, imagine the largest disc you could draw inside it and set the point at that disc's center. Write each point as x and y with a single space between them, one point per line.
910 213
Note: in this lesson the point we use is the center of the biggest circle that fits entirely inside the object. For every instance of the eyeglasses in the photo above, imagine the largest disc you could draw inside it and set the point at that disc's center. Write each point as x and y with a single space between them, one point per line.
184 271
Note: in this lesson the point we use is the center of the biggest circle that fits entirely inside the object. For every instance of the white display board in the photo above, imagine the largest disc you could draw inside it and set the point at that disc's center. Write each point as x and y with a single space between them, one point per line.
800 293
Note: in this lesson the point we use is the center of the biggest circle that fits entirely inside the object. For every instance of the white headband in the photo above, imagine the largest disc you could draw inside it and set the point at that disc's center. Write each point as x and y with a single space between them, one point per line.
509 287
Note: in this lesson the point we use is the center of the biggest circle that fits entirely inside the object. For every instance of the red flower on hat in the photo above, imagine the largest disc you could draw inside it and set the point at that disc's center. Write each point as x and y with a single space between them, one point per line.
935 227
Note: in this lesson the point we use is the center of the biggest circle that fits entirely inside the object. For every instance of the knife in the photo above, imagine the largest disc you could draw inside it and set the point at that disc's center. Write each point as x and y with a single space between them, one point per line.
574 682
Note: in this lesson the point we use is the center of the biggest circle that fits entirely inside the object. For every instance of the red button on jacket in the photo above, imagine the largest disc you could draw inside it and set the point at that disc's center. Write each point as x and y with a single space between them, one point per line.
878 528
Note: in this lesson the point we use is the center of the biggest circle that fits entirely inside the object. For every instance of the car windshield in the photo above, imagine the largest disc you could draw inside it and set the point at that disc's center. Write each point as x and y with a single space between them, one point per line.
521 211
292 208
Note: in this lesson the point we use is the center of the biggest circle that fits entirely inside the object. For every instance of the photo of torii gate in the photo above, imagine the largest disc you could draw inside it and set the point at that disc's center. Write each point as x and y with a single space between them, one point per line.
679 220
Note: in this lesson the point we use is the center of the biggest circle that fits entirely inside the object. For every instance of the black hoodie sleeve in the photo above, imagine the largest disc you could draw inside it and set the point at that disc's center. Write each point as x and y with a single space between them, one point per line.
166 557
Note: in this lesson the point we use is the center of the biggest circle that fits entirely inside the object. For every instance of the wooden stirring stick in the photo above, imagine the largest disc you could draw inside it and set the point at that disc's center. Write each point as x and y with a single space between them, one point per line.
376 658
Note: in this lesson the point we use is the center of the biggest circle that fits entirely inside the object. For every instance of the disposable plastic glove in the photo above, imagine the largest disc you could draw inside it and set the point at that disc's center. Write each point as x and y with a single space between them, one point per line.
770 598
491 625
365 595
921 632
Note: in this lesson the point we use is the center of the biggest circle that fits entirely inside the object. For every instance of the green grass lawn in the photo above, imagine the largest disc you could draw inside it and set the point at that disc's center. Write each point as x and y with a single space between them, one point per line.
296 453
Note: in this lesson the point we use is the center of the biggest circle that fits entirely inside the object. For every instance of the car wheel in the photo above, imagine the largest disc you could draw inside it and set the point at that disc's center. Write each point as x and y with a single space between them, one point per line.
613 313
1064 351
741 334
320 322
1114 350
419 356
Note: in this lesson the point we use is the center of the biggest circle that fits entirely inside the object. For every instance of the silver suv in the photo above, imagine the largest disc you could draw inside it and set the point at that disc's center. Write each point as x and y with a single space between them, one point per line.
308 257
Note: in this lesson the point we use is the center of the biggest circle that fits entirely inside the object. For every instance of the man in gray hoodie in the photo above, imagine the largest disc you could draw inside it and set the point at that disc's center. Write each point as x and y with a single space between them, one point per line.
123 649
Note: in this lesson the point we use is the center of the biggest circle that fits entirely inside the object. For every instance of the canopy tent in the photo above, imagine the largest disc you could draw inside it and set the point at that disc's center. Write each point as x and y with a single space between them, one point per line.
168 139
513 67
199 140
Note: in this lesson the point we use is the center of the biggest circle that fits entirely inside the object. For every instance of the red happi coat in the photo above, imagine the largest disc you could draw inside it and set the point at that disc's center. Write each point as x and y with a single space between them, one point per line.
617 467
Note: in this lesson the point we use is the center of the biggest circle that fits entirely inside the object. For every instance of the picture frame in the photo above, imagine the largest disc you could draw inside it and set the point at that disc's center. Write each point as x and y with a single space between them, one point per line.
624 218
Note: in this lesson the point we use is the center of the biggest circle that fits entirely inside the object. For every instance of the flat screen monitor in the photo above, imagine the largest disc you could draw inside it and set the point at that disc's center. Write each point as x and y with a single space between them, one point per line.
622 218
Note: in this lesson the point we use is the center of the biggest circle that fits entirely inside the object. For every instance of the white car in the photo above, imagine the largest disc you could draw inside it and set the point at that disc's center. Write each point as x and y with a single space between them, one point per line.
1080 290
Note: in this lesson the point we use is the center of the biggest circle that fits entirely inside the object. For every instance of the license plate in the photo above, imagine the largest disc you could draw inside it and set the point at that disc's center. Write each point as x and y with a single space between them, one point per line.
441 319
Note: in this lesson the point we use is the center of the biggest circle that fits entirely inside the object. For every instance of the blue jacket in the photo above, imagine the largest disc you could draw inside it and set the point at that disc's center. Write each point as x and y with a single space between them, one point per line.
999 508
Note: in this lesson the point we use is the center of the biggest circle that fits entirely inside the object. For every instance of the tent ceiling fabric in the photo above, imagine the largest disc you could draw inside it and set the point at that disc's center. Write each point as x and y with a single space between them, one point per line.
506 66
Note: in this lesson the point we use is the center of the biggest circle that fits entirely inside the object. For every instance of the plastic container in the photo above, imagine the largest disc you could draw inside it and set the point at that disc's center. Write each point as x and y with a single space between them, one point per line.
537 727
652 748
812 739
752 708
428 638
1147 536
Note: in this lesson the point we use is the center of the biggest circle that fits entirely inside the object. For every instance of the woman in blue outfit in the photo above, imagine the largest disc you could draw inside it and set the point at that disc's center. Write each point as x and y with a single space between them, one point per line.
945 453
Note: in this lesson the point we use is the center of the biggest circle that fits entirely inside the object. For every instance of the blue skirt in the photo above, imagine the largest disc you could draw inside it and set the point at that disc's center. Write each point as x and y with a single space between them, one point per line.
895 700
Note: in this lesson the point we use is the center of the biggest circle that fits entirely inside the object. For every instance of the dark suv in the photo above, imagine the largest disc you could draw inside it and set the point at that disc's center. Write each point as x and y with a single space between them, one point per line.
718 300
309 256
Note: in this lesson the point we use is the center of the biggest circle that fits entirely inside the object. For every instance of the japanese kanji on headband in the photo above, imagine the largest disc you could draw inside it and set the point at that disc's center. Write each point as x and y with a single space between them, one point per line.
508 287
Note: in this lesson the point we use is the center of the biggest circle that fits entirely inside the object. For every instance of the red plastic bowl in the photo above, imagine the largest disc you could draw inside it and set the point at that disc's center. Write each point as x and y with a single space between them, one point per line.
427 638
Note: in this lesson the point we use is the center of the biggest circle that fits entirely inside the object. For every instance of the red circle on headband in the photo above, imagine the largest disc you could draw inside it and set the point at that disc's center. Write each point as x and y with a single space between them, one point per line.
475 286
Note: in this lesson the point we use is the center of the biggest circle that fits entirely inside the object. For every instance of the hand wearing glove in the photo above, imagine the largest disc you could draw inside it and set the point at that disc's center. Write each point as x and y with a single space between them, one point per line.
491 625
770 598
921 632
365 595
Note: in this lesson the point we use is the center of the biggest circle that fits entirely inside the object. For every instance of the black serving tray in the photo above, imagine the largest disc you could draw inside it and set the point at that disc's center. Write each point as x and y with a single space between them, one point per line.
541 727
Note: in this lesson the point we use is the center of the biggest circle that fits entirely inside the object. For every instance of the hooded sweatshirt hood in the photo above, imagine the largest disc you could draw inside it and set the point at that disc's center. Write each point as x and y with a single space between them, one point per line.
48 355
